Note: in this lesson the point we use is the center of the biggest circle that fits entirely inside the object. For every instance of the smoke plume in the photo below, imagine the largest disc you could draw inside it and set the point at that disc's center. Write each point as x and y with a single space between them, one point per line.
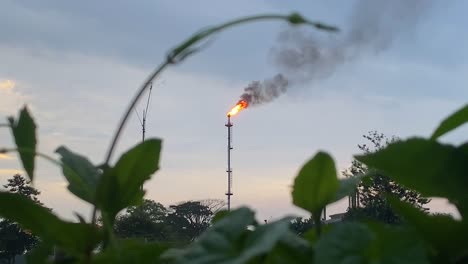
304 57
263 92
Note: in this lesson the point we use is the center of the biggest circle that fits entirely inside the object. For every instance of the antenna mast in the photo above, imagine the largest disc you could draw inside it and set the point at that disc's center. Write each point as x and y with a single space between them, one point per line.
143 119
145 114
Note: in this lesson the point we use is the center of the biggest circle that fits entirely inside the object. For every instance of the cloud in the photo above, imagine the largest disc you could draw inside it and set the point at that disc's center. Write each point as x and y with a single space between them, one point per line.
188 112
10 172
5 156
11 98
79 88
7 84
133 31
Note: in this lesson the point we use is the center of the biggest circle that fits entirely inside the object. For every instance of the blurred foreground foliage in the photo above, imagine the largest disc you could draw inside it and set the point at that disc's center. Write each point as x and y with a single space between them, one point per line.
425 165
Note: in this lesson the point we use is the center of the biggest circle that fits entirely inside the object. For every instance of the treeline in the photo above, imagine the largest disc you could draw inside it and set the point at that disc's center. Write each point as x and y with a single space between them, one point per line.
181 223
177 224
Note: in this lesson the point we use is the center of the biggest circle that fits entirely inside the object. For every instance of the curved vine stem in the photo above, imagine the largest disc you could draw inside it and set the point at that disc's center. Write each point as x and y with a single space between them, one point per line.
185 49
39 154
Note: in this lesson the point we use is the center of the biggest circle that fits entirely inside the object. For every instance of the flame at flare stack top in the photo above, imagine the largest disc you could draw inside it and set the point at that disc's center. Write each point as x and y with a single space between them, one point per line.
238 107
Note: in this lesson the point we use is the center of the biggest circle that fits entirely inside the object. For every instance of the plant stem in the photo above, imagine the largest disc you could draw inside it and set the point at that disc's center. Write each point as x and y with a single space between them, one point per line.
318 224
183 50
39 154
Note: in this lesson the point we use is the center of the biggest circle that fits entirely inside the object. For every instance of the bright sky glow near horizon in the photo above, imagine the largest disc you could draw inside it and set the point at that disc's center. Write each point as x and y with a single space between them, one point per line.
76 64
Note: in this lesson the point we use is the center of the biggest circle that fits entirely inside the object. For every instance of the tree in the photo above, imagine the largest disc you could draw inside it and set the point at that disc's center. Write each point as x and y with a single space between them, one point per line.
189 219
301 225
371 194
18 184
179 224
215 205
145 221
13 239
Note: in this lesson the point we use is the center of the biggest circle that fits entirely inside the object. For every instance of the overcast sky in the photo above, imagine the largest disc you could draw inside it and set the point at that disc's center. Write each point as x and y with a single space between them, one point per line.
77 63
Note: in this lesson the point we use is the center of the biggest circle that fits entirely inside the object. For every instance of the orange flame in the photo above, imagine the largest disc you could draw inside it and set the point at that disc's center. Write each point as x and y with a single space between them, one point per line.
239 106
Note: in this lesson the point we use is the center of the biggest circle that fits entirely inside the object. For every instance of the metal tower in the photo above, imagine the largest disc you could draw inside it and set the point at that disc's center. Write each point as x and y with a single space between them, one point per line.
229 169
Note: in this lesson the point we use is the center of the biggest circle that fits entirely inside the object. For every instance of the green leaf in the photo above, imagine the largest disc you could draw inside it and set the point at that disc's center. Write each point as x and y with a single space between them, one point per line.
455 120
219 215
290 249
431 168
76 238
120 186
397 245
296 18
447 237
220 242
264 238
81 174
131 251
345 243
230 240
40 254
352 242
316 184
24 133
347 187
311 235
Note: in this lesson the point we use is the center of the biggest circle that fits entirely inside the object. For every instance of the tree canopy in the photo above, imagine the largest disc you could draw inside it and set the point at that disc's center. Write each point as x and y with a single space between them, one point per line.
180 223
13 239
144 221
371 197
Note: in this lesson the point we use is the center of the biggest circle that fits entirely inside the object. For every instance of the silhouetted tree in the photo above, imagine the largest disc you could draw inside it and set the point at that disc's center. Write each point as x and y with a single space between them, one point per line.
18 184
13 239
145 221
189 219
178 224
372 193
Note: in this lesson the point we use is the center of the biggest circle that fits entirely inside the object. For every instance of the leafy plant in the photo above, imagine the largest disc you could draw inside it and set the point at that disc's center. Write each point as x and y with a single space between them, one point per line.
425 165
108 187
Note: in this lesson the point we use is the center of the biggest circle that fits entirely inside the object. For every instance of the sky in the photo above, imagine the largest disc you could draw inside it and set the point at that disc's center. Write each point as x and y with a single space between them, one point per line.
76 64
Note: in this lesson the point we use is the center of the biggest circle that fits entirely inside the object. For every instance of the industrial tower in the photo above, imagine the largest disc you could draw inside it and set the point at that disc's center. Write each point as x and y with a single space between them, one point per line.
229 169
